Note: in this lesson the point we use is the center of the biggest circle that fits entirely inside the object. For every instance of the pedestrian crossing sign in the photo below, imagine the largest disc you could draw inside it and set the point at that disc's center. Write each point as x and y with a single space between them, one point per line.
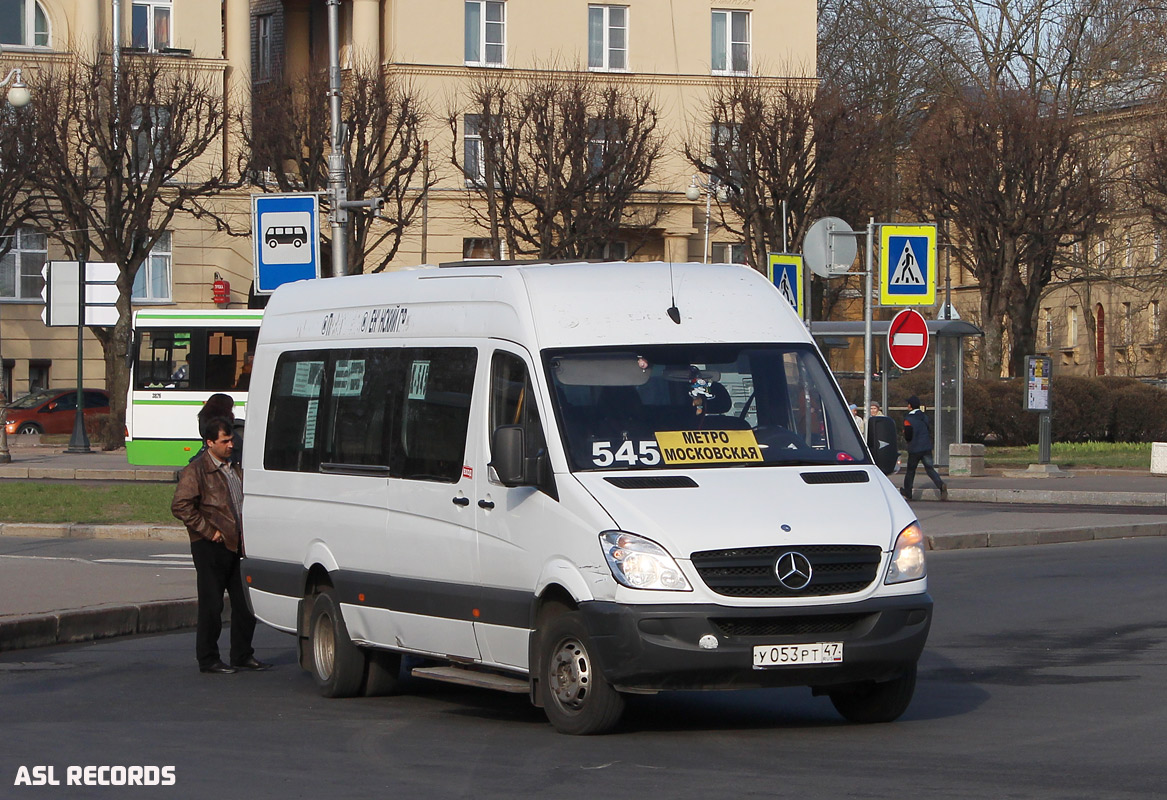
907 265
785 272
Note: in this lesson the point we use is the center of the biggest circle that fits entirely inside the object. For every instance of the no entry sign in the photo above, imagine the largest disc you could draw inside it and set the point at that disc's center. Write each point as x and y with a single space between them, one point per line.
907 339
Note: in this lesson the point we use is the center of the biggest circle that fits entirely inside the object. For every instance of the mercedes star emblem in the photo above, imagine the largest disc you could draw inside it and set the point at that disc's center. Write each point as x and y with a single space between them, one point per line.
793 571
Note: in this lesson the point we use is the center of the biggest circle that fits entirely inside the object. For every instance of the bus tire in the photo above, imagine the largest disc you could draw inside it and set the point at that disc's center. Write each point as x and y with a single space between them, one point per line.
876 702
338 665
574 694
383 674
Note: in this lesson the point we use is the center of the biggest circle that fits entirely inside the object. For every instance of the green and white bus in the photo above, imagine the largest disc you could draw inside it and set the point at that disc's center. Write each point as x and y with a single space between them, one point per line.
180 358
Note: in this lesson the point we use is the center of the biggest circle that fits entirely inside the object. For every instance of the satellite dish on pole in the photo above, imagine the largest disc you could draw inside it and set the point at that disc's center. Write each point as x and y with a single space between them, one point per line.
827 255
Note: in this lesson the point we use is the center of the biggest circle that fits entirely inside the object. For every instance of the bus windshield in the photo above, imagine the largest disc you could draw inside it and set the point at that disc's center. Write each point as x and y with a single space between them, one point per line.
700 405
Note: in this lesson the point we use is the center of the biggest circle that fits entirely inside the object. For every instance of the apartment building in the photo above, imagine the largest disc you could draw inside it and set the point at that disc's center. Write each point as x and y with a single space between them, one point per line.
214 37
675 50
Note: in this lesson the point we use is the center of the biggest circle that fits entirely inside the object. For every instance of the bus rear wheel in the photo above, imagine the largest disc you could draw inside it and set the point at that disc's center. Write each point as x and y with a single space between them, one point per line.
338 665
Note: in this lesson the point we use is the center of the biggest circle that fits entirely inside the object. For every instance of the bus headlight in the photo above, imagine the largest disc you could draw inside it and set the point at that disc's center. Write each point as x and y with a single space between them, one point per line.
907 559
640 563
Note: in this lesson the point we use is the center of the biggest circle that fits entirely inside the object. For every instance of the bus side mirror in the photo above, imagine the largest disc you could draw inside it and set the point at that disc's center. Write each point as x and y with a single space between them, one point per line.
507 448
881 441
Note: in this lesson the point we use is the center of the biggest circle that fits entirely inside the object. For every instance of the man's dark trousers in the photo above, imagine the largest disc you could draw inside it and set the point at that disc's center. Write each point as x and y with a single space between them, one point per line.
217 569
910 474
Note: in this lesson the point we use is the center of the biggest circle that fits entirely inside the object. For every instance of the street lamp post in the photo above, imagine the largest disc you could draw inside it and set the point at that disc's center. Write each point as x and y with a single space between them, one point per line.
709 187
18 96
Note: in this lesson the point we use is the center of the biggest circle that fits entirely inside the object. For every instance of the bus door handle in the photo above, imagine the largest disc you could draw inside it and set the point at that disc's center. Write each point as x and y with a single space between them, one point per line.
461 501
487 504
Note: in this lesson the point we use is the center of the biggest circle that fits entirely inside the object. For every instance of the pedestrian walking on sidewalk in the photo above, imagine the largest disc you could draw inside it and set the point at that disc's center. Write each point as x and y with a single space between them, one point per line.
209 501
918 435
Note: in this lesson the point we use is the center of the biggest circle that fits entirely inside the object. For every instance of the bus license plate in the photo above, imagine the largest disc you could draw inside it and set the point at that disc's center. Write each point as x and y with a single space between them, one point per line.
795 655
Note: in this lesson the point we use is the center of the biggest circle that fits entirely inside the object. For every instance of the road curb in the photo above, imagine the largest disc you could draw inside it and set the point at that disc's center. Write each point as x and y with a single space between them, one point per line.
969 541
1062 497
85 625
154 474
80 530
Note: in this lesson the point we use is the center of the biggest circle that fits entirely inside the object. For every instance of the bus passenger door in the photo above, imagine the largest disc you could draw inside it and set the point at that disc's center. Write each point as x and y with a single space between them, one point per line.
430 545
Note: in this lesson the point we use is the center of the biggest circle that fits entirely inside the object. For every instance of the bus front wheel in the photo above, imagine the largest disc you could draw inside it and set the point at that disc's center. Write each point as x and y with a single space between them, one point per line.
575 696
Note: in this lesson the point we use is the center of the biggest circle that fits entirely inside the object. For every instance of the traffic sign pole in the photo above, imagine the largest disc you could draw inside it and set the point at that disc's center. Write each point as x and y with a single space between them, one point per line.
79 441
867 285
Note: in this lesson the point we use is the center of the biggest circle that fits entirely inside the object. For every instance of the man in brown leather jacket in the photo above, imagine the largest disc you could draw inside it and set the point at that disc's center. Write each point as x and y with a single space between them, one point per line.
209 501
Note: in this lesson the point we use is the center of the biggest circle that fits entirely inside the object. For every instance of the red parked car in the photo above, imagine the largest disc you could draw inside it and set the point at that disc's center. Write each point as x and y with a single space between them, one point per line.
52 411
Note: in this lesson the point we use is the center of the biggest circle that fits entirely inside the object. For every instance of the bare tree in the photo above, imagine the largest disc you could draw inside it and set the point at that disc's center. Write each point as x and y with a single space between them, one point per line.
1057 58
778 145
759 145
1018 185
17 142
558 164
289 141
115 164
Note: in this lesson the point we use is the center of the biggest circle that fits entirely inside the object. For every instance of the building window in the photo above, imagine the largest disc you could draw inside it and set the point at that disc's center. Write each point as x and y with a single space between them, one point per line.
608 37
20 268
6 367
1072 327
731 42
614 251
152 283
486 28
149 124
1129 243
263 28
23 22
38 375
476 249
1158 239
1153 322
605 150
473 156
729 253
727 157
151 25
1128 326
1047 325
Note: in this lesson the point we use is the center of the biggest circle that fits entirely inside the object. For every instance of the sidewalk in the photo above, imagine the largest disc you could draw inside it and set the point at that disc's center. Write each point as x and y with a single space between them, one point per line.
60 601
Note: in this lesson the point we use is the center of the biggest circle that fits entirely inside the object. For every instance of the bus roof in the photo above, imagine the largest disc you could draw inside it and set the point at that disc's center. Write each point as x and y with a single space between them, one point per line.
542 305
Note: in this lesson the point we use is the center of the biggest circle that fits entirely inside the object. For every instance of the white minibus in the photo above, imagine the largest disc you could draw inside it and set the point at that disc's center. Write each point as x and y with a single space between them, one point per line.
577 482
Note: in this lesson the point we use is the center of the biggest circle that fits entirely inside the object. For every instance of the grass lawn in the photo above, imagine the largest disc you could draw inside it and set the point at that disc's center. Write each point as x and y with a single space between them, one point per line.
33 501
1117 455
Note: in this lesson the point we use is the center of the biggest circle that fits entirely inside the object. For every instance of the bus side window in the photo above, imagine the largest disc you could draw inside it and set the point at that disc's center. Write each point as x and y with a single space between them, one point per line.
436 386
291 441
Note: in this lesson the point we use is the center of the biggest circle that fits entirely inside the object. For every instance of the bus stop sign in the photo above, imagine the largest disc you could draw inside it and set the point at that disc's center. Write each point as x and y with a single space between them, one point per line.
285 234
907 339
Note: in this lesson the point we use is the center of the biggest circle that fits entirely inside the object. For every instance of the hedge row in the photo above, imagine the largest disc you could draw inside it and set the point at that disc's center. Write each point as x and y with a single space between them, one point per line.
1104 409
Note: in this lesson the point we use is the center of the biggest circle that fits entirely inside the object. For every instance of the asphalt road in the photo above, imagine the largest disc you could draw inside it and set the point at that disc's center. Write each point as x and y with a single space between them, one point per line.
1045 676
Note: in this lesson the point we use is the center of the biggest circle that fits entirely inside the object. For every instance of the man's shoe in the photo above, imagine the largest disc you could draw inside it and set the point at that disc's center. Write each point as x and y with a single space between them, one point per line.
907 494
252 664
944 491
218 668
